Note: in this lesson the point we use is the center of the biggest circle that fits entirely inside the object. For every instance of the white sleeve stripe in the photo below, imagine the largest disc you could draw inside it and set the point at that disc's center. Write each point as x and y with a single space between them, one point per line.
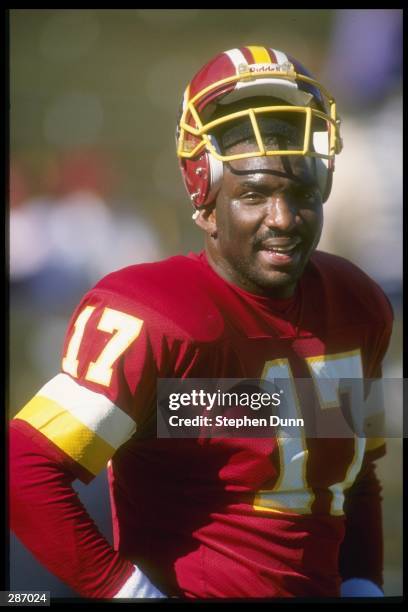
92 409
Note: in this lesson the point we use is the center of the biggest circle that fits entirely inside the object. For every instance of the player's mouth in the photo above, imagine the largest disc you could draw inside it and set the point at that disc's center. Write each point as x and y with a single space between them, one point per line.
281 251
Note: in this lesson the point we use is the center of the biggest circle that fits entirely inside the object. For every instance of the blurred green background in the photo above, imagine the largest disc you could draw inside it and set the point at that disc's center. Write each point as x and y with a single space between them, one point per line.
95 185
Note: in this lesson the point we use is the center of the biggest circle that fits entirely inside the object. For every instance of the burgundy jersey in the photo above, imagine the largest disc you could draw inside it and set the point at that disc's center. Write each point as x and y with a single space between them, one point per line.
215 517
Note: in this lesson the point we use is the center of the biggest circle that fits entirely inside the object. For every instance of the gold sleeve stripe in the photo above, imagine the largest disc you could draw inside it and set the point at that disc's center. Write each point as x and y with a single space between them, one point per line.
260 55
67 432
94 410
374 443
296 501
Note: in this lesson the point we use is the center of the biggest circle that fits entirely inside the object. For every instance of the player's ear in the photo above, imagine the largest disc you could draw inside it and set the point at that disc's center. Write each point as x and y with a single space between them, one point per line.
205 218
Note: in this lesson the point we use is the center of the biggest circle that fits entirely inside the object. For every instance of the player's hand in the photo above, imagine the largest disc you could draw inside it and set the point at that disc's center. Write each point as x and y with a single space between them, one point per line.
360 587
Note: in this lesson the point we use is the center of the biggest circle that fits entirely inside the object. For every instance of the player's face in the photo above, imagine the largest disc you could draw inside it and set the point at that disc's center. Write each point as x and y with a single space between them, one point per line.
268 220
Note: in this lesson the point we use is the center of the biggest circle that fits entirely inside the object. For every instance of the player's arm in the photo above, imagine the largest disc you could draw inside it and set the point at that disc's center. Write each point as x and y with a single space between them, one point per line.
69 430
361 553
48 517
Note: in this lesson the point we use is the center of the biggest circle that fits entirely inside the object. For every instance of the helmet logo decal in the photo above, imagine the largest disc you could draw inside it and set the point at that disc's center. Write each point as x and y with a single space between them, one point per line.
286 67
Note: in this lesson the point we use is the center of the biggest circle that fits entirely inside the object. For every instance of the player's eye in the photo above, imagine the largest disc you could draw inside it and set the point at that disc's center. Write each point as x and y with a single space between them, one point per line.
307 194
252 197
310 194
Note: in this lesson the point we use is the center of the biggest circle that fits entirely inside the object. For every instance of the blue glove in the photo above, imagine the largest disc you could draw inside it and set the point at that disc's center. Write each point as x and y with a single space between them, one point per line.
360 587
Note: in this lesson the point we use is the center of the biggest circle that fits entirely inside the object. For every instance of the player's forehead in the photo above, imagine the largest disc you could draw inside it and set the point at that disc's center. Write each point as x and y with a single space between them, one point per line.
268 169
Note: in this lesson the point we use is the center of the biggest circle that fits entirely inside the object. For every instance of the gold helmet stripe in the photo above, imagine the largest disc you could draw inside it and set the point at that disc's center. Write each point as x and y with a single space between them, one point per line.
260 55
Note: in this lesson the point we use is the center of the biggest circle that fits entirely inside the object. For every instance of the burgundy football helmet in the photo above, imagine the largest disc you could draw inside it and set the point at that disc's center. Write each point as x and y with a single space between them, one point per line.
249 73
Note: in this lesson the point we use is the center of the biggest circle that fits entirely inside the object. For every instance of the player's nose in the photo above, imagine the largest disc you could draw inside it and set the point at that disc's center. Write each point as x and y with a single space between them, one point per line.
280 213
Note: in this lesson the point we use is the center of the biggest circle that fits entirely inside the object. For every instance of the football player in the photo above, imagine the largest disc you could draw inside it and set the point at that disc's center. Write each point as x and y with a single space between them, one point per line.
217 517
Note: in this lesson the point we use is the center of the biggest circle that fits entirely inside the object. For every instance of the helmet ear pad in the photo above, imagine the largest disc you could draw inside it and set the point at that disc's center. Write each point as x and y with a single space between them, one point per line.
324 176
323 168
202 177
